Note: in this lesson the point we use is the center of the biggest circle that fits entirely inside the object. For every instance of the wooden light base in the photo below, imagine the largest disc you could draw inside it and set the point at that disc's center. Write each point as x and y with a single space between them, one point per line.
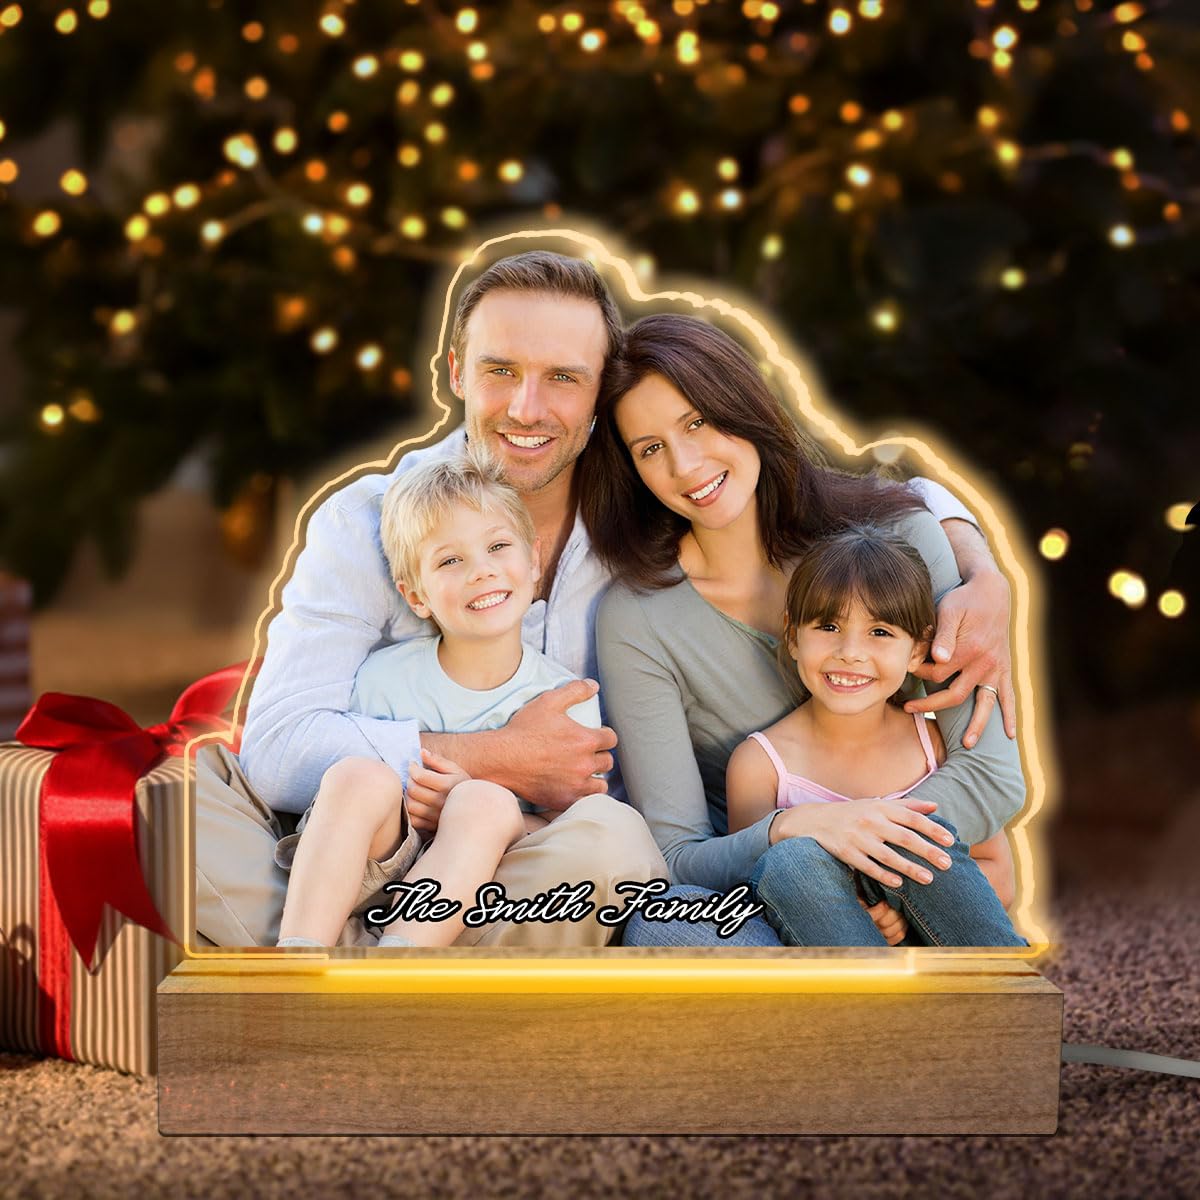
619 1042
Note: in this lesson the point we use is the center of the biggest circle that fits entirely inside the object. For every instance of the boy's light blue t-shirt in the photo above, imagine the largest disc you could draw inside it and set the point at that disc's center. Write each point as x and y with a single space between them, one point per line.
406 682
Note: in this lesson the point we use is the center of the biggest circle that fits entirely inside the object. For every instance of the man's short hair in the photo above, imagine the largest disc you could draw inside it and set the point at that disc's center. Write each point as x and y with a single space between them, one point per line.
421 497
539 271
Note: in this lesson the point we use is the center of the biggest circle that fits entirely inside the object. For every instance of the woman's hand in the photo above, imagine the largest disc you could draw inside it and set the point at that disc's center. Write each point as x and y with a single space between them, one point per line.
861 833
429 783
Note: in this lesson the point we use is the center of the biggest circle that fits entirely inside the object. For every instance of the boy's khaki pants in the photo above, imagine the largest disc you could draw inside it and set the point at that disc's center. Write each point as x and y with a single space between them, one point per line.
240 891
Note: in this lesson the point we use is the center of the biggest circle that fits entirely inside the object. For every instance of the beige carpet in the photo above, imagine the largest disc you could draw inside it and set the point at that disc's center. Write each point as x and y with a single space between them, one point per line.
1128 913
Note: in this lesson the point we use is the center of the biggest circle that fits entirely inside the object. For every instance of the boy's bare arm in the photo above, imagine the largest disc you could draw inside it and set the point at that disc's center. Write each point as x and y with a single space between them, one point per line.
995 860
542 754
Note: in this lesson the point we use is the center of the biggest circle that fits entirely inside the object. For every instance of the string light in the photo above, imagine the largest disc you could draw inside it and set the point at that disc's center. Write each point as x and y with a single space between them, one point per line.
731 198
572 22
1012 278
772 246
468 171
1179 121
240 149
8 170
324 339
1121 159
1177 515
83 408
256 87
435 132
358 195
850 112
369 357
799 104
157 204
893 120
366 66
1171 603
840 21
871 10
1133 42
1009 153
413 227
332 25
1128 587
212 232
11 16
336 225
47 223
313 223
547 23
987 117
843 201
123 323
454 218
727 168
1171 211
284 141
51 417
858 175
3 130
74 183
315 170
686 202
1121 236
187 195
591 41
253 31
886 318
1054 544
408 155
338 122
510 171
1005 38
441 95
466 20
67 21
477 51
408 92
136 228
412 61
687 48
1125 13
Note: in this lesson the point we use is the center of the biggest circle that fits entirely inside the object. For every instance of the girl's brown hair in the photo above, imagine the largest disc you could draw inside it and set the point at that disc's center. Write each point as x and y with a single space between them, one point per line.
881 570
799 498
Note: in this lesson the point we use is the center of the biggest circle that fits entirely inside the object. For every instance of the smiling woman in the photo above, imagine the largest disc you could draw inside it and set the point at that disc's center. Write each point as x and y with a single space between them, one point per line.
703 496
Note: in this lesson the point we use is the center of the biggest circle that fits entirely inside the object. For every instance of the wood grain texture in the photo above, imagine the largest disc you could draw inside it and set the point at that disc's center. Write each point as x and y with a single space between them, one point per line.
251 1051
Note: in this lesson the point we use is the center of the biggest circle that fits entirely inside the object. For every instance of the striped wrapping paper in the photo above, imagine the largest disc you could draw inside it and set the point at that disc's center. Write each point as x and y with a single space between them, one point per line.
112 1012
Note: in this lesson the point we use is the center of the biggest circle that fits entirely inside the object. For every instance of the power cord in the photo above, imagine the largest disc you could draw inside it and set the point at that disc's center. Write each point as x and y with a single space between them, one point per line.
1134 1060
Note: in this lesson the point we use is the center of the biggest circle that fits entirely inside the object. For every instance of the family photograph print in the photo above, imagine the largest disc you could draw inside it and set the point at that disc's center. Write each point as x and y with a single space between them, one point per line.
628 657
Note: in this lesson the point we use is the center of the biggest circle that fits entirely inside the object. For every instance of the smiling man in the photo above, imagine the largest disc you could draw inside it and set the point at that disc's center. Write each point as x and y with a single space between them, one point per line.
529 345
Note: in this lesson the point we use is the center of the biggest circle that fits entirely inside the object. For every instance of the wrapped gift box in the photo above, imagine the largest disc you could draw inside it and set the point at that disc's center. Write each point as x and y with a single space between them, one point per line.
109 1011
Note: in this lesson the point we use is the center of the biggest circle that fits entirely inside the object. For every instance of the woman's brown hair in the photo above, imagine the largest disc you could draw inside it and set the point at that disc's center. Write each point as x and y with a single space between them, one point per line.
799 498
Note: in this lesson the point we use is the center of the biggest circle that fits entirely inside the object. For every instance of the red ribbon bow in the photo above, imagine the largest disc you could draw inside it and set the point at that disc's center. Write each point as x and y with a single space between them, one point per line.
87 822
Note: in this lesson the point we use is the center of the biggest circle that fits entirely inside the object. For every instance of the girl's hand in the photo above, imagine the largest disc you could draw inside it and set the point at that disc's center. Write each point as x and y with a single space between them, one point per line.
861 833
890 923
429 783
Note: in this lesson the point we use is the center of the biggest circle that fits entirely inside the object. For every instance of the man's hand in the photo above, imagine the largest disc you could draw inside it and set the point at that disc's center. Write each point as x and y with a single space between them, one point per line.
972 639
890 923
429 783
551 759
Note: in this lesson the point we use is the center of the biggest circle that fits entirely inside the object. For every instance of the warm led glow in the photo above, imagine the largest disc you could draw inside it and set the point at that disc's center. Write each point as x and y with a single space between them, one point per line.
344 258
869 139
3 130
1179 121
412 60
1002 60
369 357
1009 153
241 149
1012 278
413 227
799 104
337 225
649 31
1121 236
850 112
288 43
74 183
468 171
67 21
547 23
366 66
988 117
1133 42
98 9
157 204
47 223
313 223
572 22
332 25
727 168
1125 13
408 155
205 83
324 339
843 201
1176 516
358 194
872 10
401 378
8 170
1129 587
315 170
840 21
123 322
1005 38
1171 603
477 51
687 48
510 171
338 122
686 202
591 41
886 318
83 408
1028 5
466 20
1171 211
51 416
770 12
408 92
212 232
256 87
187 195
1122 159
136 228
731 198
284 141
253 31
435 132
454 218
772 246
10 16
441 95
858 175
1144 62
893 120
1054 544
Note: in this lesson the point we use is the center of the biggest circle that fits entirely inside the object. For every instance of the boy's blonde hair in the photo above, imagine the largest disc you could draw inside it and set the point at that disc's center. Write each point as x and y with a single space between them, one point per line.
421 497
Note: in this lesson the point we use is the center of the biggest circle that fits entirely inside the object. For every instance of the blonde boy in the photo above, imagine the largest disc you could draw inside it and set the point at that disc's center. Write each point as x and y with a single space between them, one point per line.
462 552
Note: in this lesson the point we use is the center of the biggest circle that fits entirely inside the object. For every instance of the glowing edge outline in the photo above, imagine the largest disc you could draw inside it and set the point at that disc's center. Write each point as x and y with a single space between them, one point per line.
930 454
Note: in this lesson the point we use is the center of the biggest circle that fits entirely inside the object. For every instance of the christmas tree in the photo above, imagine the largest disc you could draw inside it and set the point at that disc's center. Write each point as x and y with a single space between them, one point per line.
980 216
